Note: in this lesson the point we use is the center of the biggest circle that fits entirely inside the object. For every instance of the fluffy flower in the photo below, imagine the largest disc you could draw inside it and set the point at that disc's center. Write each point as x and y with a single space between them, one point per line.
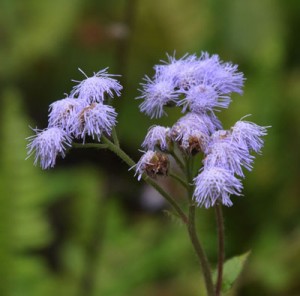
204 84
181 72
152 163
203 98
192 121
248 134
224 77
157 93
94 88
223 152
157 136
192 131
47 144
95 119
214 185
64 113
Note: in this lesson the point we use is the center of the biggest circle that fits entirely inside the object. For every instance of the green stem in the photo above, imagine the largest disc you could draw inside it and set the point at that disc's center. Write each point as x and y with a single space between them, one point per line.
174 204
193 233
221 248
200 252
90 145
189 177
177 159
120 153
179 179
115 137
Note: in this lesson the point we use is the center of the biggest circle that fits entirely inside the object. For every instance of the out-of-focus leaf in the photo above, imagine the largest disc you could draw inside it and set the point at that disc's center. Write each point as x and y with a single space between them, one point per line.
232 269
23 226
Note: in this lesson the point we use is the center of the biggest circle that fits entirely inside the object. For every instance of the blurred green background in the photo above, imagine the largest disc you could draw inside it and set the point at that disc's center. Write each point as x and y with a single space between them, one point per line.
88 227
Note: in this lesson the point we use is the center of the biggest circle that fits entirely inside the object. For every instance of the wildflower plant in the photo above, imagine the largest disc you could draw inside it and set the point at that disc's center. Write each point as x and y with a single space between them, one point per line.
200 87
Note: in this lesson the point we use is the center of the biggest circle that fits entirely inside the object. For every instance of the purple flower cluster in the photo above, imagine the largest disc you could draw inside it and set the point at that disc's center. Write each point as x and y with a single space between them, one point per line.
200 87
226 154
82 113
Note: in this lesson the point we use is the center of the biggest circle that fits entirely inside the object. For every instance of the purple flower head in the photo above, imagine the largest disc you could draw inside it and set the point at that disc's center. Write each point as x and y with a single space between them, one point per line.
181 72
223 77
47 144
192 132
157 136
95 119
204 84
207 70
212 83
248 134
193 121
194 142
152 163
229 79
214 185
157 93
93 89
64 113
203 98
223 152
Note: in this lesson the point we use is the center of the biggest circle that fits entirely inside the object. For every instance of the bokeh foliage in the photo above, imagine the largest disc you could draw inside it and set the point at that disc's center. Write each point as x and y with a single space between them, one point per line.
84 228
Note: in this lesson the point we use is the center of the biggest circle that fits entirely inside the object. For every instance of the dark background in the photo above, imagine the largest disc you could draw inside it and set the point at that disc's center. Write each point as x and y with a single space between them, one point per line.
88 227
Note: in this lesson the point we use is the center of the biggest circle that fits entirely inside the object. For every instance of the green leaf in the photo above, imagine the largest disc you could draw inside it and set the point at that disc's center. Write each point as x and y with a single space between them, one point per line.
232 269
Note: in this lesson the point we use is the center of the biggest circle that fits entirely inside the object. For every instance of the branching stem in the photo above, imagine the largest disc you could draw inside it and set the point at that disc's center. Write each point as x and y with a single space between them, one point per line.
121 154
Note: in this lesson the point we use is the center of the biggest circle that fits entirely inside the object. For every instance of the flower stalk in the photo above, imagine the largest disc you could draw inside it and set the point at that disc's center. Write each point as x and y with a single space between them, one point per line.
200 252
221 248
121 154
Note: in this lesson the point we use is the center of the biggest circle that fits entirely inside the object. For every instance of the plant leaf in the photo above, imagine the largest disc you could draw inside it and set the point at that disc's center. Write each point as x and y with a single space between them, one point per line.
232 269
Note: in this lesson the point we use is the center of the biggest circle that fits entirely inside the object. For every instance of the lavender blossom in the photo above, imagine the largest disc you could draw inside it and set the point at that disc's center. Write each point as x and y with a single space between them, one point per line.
143 162
248 134
213 82
202 121
192 132
203 84
95 119
181 72
64 113
157 93
215 185
47 144
223 152
229 80
224 77
93 89
204 98
157 136
152 163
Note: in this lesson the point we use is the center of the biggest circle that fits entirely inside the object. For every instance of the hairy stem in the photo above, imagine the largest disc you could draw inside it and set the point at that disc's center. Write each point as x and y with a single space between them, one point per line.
179 179
115 137
90 145
189 177
221 248
193 233
200 252
120 153
177 159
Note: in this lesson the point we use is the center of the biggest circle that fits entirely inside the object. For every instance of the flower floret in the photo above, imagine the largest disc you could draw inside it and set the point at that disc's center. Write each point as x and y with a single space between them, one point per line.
94 88
215 185
47 144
